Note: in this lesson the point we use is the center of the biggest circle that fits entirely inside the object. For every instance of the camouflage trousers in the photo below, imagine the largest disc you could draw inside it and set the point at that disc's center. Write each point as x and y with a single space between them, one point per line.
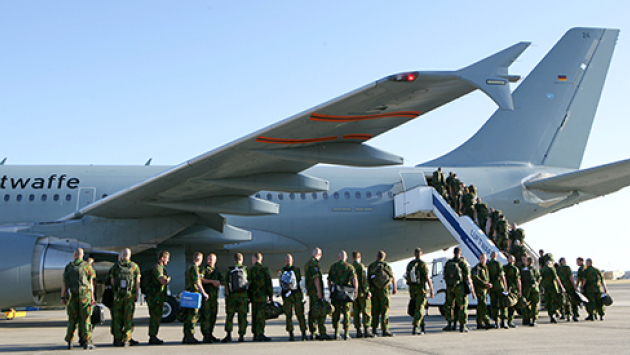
258 318
569 305
341 308
236 303
531 311
456 305
191 316
208 316
482 307
420 297
155 302
122 317
496 310
291 303
595 305
482 221
552 302
511 311
79 309
312 320
380 309
362 308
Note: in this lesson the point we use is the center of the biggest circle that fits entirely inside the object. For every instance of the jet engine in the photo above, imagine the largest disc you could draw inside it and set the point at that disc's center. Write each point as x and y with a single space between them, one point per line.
31 268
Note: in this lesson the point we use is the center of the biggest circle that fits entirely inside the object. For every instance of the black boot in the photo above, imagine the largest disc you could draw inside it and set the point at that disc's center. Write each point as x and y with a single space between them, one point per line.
359 333
228 338
291 336
422 329
366 333
463 329
552 319
447 328
155 341
304 336
503 325
88 345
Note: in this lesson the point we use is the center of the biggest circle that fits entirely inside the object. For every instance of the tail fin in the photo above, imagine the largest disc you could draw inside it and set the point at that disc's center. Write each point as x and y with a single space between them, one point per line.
554 108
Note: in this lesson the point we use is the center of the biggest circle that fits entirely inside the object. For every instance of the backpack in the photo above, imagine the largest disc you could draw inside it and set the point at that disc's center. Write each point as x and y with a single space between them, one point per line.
527 278
288 281
124 280
415 276
452 273
145 281
238 280
380 276
76 279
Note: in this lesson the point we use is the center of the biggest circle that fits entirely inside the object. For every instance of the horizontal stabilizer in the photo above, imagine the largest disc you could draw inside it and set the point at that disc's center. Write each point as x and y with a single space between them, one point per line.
491 75
598 181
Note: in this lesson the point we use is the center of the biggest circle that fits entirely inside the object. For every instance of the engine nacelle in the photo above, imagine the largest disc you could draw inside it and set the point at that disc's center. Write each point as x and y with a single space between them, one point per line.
31 268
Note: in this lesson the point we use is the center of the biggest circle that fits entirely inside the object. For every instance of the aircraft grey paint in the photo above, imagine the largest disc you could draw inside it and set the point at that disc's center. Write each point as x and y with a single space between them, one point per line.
264 193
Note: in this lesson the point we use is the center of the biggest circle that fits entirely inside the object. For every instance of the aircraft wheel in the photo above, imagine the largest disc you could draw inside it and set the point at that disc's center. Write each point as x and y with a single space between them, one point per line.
171 308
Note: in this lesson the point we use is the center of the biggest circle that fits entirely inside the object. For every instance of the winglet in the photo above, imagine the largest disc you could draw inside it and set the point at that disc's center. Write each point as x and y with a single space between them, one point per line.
491 75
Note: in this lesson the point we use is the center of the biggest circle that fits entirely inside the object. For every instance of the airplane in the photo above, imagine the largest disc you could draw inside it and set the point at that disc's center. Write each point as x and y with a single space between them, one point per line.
267 191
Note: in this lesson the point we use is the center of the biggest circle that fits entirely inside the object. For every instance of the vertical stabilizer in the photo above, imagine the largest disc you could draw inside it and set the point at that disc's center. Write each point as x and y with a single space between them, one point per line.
554 108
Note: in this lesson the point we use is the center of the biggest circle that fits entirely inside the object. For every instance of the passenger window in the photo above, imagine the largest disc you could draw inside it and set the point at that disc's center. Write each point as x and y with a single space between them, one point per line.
104 195
390 194
346 195
303 196
292 196
7 197
336 195
18 198
325 195
44 197
257 195
31 197
368 194
379 194
280 197
269 197
314 196
68 197
357 195
55 197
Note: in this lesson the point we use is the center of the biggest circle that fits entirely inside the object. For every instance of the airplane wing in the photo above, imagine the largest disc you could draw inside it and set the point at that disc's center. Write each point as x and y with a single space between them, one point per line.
597 181
223 180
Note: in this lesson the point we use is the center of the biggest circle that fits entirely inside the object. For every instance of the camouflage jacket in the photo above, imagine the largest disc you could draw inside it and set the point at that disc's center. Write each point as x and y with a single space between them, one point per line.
89 273
480 277
192 279
549 276
580 273
495 270
565 273
422 273
372 271
532 285
593 278
482 209
209 273
260 288
512 275
361 270
311 272
155 286
341 273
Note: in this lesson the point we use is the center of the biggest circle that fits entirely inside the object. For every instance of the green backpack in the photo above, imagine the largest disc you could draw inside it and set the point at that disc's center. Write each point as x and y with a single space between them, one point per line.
380 276
452 273
124 280
75 278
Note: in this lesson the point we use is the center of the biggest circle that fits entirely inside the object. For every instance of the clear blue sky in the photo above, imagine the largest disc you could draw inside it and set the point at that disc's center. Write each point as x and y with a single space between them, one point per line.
118 82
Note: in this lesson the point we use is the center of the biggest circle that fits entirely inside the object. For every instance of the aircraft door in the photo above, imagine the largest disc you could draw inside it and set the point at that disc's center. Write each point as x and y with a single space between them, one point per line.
412 179
86 196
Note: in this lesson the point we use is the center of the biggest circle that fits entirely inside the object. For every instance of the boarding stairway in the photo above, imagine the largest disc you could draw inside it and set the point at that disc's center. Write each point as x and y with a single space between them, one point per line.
425 203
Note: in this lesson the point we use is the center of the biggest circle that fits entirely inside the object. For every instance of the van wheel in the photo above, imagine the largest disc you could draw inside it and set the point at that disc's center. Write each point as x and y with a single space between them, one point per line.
170 310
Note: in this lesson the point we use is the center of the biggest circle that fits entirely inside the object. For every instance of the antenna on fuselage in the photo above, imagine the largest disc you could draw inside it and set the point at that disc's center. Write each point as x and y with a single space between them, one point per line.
146 164
3 161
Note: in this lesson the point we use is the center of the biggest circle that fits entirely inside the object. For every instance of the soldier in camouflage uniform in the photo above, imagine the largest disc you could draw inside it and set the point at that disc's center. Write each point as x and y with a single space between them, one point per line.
455 192
417 279
292 299
467 205
553 287
126 292
491 224
519 251
481 214
438 181
499 285
593 284
362 306
530 278
516 234
156 296
193 284
456 305
78 277
569 309
513 280
501 233
211 279
315 291
235 302
342 273
580 272
481 282
380 293
260 290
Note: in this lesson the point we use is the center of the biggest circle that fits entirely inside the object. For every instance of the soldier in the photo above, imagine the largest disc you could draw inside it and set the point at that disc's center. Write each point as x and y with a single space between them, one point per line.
362 303
156 295
519 251
290 279
516 234
78 278
193 284
236 299
315 291
211 280
438 181
481 214
455 192
493 219
467 206
580 273
501 233
380 276
552 286
342 273
260 290
593 284
499 285
566 278
457 278
541 261
417 278
125 281
513 281
530 278
481 282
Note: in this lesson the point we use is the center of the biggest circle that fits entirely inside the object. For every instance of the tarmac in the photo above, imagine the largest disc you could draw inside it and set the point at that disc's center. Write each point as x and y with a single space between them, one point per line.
42 332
